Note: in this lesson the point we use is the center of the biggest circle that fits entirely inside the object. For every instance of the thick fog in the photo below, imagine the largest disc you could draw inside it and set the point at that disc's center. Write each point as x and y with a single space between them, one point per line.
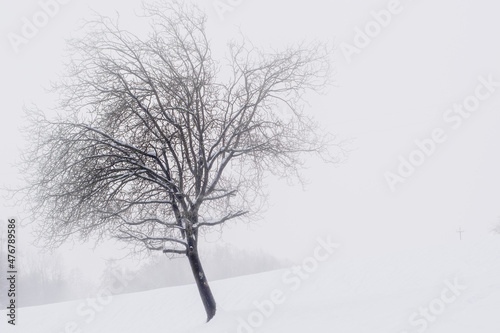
416 96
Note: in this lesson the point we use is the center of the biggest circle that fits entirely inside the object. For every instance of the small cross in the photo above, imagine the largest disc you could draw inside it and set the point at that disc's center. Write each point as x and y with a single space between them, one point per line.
460 231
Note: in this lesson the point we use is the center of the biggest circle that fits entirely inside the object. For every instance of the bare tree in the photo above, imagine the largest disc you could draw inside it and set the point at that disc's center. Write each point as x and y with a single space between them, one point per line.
155 142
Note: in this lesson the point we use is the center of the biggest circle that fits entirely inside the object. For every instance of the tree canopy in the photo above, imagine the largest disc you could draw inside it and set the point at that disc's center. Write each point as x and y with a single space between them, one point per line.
151 141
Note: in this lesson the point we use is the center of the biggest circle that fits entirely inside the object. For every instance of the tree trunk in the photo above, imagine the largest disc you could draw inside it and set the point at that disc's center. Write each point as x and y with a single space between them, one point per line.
201 281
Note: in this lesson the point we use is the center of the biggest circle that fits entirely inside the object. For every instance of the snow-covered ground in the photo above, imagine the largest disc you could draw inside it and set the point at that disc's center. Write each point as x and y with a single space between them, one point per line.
451 289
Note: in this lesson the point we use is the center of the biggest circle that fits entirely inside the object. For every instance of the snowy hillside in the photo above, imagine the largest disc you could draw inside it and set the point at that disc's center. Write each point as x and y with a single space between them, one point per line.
455 288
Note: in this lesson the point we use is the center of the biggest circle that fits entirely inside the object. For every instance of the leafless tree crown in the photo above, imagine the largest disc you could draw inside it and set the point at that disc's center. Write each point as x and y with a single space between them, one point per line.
155 140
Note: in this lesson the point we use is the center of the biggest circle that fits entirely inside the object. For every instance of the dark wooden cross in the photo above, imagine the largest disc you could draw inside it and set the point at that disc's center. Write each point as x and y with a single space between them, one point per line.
460 231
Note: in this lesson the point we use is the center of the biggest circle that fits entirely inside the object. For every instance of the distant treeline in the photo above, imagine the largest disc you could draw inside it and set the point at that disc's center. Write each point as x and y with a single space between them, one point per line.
42 279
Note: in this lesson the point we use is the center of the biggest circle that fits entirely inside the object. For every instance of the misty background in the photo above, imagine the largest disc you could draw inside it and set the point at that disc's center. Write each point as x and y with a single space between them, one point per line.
395 91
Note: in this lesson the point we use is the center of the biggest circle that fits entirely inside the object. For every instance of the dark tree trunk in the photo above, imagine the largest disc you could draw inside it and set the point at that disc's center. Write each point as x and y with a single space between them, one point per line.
201 280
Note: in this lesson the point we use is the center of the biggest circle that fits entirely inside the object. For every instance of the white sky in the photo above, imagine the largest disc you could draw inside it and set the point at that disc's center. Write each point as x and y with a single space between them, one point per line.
395 91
